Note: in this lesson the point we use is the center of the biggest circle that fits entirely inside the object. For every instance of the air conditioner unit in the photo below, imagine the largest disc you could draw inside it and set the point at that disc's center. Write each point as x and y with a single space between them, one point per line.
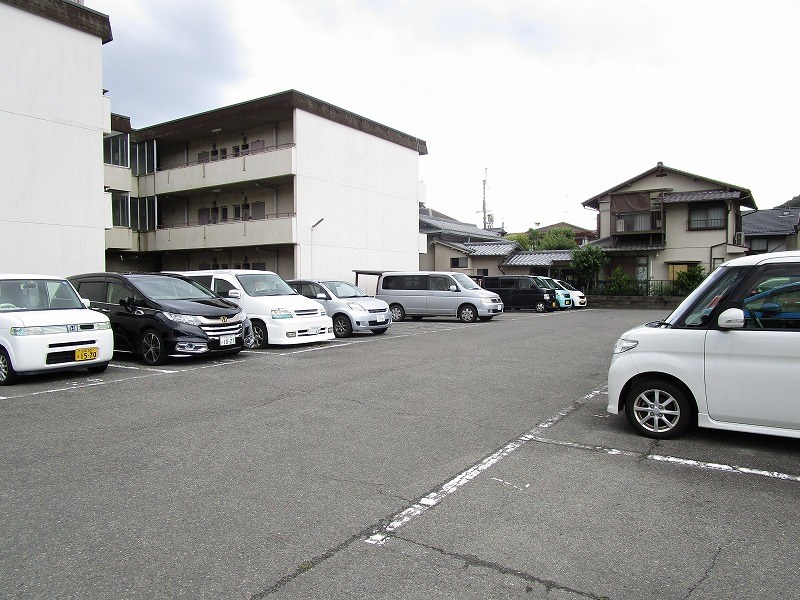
738 238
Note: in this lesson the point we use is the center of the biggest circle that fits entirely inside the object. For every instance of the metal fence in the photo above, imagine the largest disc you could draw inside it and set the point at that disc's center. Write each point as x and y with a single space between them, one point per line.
632 287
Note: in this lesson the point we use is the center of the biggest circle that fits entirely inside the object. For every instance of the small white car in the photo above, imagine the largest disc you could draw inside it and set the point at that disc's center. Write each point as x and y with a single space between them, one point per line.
348 305
726 358
45 326
578 297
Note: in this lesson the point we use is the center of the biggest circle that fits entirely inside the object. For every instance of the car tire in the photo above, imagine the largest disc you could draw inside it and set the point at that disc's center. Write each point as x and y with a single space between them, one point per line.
260 336
379 331
342 327
540 306
658 409
8 375
97 368
467 313
152 348
398 314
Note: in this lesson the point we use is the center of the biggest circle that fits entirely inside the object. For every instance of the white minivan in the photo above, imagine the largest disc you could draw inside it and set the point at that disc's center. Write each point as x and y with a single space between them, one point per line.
726 358
437 293
279 315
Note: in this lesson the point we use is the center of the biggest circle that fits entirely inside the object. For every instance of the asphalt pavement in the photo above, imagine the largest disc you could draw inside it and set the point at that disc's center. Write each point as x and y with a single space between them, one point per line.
440 460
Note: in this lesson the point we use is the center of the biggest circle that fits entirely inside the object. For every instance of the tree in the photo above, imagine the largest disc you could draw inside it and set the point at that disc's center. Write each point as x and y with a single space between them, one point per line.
521 238
557 238
793 203
689 279
586 262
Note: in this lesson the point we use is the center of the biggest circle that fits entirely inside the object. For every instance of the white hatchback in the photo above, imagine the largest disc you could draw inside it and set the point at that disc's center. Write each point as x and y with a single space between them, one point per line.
726 358
45 326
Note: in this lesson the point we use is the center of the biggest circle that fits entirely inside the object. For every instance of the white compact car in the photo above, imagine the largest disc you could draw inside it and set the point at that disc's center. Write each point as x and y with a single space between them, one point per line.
278 314
349 307
578 297
45 326
726 358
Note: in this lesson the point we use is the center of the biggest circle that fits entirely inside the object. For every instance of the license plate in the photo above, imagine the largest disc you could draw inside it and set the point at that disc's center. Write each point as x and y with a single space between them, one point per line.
313 330
85 353
380 319
227 340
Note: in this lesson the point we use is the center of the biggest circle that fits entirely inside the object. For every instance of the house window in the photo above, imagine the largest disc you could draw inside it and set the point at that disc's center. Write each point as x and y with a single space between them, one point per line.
120 210
115 150
461 262
676 268
715 262
482 272
758 244
638 221
709 217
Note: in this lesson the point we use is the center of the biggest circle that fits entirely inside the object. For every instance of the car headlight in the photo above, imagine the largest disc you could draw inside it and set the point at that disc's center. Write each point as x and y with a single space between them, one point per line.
356 306
624 345
184 319
28 330
487 301
547 296
281 313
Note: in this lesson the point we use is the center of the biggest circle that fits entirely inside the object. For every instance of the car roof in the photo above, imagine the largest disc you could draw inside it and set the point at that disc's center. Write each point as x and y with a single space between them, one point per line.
5 276
221 272
760 259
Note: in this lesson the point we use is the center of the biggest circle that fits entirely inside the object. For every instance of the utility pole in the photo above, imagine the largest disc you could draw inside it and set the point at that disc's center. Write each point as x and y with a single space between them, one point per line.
485 173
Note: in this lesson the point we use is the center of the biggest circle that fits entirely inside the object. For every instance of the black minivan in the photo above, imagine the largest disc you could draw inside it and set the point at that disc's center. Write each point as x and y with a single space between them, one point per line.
157 315
521 291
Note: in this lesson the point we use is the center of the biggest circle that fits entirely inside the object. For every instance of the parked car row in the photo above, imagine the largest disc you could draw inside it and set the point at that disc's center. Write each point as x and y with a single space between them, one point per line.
158 315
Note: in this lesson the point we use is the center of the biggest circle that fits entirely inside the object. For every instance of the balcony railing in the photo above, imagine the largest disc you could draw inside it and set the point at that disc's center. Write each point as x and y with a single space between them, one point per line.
216 158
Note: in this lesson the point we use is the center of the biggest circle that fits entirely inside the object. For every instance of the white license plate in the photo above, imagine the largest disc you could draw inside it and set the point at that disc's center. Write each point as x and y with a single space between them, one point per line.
380 319
313 330
227 340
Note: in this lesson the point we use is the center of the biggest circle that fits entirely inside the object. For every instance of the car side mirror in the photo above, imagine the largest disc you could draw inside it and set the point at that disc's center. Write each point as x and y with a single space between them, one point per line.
732 318
453 288
234 294
86 302
322 296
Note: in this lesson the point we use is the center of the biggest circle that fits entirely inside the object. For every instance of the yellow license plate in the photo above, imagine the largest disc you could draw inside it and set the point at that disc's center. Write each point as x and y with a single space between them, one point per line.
85 353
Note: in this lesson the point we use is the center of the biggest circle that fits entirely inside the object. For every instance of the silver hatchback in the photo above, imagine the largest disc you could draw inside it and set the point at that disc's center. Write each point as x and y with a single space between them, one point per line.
348 305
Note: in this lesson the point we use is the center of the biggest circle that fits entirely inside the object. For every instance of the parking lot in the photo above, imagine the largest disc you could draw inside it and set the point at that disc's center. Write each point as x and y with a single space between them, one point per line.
440 460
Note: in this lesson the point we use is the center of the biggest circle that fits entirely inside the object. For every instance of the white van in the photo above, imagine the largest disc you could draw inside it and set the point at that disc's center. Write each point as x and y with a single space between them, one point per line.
437 293
279 315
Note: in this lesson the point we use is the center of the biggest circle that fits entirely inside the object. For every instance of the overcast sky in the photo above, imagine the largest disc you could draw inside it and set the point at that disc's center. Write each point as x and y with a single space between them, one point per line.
556 100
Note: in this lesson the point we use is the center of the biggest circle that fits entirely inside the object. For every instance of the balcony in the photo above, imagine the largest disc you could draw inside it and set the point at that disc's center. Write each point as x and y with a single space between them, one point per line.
275 229
272 161
636 223
122 238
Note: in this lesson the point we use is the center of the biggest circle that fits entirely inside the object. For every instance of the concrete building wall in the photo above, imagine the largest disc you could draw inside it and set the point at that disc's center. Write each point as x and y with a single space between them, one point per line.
365 191
52 117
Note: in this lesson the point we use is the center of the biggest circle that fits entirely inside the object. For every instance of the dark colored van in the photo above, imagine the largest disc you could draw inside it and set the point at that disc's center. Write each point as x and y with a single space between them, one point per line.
156 315
521 291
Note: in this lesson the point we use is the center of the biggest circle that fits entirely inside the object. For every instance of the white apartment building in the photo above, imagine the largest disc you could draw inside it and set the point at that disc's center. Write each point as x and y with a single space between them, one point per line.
53 211
286 183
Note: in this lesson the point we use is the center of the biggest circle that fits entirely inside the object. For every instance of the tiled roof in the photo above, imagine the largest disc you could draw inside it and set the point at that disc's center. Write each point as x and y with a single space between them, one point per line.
492 248
612 244
701 196
428 224
774 221
538 258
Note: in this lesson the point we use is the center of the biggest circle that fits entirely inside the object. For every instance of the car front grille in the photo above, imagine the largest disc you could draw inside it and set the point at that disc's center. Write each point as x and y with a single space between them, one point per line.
218 330
307 312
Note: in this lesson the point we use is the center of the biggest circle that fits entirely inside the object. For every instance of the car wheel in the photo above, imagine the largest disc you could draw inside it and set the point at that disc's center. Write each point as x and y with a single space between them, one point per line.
467 313
153 349
540 306
97 368
398 314
7 373
260 337
658 409
380 331
342 327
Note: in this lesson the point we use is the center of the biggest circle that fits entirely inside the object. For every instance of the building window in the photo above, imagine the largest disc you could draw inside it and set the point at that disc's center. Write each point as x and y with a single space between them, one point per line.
120 209
482 272
758 244
461 262
143 158
143 213
712 217
115 150
715 262
676 268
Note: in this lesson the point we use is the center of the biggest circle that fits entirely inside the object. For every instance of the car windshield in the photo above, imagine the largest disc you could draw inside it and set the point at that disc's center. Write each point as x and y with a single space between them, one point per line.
465 281
165 287
565 285
37 294
696 310
342 289
548 283
265 284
